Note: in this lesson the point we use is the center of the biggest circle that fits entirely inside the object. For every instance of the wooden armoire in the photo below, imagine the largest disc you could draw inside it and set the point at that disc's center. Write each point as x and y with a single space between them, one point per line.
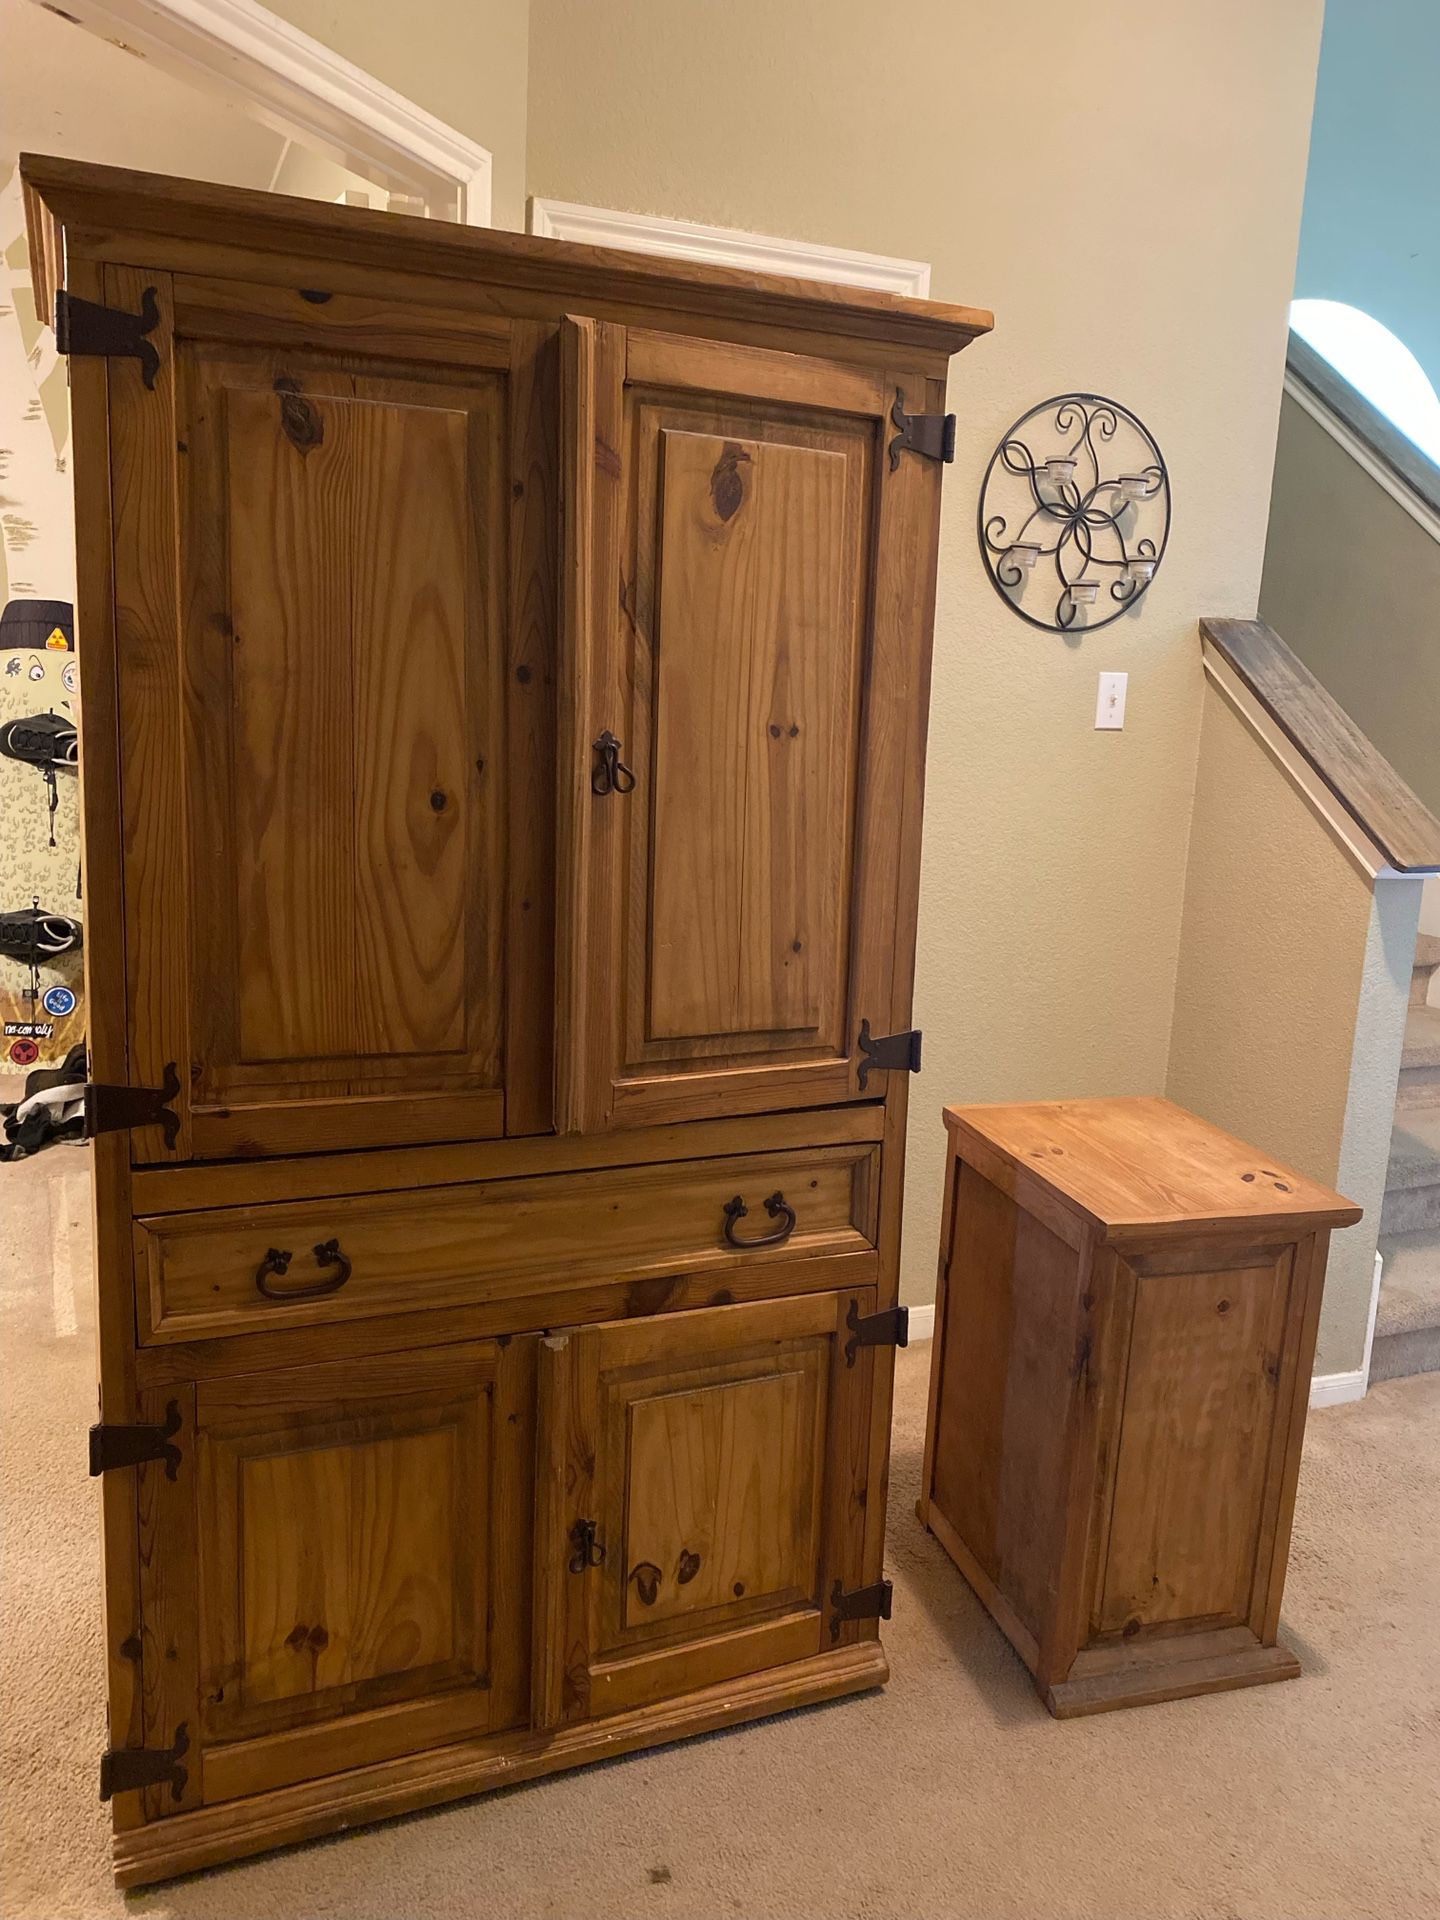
504 669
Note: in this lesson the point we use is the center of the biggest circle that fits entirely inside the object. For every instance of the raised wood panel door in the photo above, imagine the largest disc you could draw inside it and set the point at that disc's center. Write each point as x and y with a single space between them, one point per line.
339 1571
751 584
704 1481
334 569
1196 1474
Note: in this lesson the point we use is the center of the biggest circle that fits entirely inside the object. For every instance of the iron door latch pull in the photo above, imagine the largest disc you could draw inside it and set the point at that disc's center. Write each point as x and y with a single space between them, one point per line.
930 434
864 1603
889 1328
125 1768
888 1053
85 326
586 1550
610 773
778 1208
129 1446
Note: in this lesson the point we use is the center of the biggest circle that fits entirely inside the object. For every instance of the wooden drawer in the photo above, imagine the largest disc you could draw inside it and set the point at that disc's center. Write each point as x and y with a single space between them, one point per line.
246 1269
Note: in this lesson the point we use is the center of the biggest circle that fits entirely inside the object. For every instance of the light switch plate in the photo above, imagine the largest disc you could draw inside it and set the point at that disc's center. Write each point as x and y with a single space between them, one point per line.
1110 703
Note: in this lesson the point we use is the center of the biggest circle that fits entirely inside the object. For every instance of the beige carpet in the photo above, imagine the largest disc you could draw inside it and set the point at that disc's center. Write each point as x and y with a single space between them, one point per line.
950 1793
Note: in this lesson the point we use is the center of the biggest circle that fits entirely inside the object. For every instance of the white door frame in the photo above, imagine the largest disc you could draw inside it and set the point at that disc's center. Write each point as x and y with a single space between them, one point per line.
303 90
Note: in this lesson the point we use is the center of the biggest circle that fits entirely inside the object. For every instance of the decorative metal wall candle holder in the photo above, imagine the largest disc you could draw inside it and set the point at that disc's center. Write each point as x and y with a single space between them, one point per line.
1097 508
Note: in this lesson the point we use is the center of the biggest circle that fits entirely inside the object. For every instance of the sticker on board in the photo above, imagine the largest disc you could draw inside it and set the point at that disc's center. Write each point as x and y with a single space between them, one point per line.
59 1001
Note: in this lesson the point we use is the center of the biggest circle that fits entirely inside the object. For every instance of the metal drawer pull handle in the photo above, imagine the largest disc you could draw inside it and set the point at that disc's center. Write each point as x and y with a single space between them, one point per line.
778 1208
277 1261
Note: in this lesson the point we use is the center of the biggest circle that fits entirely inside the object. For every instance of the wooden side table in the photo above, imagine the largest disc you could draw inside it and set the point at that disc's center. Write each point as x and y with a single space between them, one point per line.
1125 1325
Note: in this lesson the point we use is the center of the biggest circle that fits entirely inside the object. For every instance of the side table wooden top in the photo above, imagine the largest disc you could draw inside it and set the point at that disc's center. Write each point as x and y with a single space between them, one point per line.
1139 1168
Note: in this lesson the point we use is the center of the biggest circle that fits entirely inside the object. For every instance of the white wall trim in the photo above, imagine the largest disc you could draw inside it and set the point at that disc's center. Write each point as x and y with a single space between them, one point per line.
304 90
727 247
1334 1389
922 1322
1420 511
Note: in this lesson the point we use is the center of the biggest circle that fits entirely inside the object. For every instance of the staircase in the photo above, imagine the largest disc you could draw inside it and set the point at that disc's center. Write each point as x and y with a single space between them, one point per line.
1407 1324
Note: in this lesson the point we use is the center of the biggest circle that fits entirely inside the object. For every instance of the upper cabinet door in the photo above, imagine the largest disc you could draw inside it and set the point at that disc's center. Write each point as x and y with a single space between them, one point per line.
335 579
751 588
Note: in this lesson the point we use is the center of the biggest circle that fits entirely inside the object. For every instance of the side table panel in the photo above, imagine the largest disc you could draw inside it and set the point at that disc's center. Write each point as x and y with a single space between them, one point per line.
1196 1438
1000 1470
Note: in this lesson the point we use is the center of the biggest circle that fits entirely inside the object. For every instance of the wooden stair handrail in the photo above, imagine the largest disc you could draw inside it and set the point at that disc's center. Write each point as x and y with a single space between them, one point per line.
1342 757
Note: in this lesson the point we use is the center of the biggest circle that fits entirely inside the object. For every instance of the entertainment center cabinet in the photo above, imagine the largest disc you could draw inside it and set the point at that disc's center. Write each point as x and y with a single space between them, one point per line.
504 673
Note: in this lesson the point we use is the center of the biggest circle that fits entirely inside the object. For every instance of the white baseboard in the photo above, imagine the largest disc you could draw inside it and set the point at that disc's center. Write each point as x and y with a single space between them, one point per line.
1326 1389
922 1322
1333 1389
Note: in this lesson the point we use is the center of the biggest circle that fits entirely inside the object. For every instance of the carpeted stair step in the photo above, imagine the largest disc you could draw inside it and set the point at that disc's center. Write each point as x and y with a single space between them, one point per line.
1412 1180
1407 1322
1420 1062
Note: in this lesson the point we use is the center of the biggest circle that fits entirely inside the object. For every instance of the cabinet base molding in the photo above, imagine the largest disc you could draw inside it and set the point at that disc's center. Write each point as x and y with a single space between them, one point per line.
231 1831
1170 1668
1138 1673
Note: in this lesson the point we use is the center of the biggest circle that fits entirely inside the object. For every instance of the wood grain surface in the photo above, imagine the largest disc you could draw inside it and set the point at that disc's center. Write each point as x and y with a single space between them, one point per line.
1349 763
411 515
1123 1347
1139 1167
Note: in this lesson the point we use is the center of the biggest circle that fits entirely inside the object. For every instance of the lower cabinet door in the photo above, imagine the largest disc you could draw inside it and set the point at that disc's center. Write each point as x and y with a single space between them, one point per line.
704 1480
339 1571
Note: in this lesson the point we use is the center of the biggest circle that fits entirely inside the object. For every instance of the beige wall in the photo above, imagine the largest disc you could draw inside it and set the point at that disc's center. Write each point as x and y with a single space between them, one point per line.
1272 972
1121 183
1352 581
1272 949
463 60
1291 996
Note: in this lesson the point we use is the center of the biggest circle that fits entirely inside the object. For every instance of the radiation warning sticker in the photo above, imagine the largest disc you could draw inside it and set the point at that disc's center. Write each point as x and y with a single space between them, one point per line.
56 641
24 1053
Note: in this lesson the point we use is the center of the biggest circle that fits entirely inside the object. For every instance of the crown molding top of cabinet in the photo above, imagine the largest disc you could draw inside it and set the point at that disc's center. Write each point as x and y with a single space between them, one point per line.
69 195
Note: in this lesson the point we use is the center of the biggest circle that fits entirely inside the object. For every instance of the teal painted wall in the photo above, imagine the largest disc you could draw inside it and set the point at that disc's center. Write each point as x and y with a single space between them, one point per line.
1370 234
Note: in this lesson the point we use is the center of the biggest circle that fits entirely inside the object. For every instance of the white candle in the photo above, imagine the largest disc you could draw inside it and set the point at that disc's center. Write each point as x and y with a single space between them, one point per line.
1084 591
1136 486
1025 556
1141 571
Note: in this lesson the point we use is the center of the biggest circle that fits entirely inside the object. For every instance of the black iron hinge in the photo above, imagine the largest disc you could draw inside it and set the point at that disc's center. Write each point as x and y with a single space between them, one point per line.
84 326
930 434
111 1109
124 1768
888 1052
864 1603
121 1446
888 1329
